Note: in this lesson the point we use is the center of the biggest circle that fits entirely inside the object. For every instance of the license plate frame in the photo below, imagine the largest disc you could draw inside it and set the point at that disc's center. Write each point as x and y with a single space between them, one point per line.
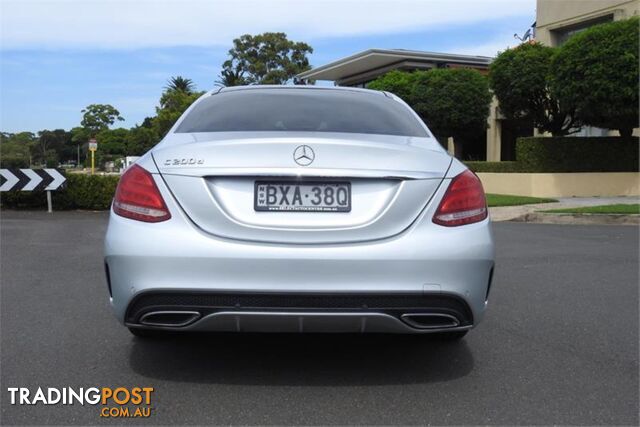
323 208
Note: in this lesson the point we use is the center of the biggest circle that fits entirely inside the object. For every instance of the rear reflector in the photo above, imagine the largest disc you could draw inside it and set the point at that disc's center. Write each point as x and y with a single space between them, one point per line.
463 203
137 197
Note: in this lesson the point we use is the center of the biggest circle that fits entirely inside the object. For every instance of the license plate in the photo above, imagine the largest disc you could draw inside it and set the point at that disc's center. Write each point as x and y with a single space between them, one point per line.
302 197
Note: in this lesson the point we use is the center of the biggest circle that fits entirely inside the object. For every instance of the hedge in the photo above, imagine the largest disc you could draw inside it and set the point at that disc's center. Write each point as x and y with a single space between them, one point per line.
93 192
578 154
503 167
569 154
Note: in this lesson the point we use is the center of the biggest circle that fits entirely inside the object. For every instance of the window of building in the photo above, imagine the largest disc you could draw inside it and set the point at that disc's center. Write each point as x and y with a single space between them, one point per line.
561 35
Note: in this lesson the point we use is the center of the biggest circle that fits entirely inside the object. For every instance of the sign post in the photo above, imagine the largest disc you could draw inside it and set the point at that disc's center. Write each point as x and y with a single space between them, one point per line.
49 204
93 146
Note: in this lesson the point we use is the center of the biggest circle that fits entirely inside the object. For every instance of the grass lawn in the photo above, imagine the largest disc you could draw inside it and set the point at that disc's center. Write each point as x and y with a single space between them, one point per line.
494 200
602 209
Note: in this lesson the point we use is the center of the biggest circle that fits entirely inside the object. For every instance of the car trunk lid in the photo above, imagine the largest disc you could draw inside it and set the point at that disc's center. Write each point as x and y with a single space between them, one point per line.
214 178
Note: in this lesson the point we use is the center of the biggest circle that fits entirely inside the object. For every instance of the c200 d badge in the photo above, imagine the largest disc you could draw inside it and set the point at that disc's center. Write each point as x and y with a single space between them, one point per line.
183 162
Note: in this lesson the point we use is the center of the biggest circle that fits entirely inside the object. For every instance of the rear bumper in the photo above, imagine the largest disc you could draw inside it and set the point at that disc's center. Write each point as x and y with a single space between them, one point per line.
299 312
305 322
422 270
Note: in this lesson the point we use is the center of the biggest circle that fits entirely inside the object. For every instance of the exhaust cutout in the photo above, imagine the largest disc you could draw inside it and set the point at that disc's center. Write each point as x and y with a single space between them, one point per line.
169 318
430 320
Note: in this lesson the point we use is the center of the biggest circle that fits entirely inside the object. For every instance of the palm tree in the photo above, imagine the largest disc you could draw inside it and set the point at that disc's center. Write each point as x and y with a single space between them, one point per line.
179 83
230 78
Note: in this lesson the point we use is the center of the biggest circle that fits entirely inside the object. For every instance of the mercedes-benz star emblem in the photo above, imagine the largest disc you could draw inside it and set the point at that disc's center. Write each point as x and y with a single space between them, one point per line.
304 155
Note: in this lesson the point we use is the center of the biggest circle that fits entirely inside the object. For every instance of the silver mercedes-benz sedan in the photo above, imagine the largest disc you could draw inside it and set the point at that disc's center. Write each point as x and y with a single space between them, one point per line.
299 209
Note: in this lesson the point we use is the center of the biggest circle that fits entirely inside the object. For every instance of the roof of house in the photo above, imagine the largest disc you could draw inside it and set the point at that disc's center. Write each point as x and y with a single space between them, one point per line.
373 59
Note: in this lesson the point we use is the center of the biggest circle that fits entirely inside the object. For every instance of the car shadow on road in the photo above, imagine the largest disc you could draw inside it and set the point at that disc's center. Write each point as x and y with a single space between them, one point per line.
310 359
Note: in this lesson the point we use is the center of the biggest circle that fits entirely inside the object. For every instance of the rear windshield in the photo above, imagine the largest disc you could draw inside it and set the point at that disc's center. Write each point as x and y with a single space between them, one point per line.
319 110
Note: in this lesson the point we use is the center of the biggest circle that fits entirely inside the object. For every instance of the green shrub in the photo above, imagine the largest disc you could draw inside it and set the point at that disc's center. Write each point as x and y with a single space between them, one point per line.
568 154
520 79
578 154
596 73
503 167
453 102
92 192
400 83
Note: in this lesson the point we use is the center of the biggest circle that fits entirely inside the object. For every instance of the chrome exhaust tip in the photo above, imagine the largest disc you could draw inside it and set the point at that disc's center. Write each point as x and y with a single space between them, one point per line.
169 318
430 320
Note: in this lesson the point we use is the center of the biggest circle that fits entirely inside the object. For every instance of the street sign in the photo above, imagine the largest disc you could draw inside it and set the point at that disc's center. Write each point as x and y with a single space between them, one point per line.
93 146
31 179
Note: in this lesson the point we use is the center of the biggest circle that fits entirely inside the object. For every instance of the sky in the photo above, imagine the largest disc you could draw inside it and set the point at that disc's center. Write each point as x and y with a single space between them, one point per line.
58 56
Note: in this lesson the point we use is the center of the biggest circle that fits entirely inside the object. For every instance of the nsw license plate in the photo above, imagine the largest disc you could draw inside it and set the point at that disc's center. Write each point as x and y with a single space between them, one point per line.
305 197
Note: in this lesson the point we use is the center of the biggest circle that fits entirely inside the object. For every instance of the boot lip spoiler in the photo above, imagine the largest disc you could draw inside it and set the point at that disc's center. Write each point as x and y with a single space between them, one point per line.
300 173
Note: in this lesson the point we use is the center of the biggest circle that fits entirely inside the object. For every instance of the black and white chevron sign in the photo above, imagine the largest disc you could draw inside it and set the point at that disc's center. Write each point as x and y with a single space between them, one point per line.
31 179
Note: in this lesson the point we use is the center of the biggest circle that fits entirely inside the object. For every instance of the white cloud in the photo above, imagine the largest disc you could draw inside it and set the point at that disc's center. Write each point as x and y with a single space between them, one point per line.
120 24
488 48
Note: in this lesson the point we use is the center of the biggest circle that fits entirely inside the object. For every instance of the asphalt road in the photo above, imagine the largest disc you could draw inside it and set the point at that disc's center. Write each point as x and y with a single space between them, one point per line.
559 344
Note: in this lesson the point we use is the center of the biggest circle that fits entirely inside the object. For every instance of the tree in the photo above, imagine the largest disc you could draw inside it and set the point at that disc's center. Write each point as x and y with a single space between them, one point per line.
520 79
596 72
140 139
399 83
79 135
268 58
79 139
172 104
54 144
16 149
98 117
453 102
147 122
113 141
24 138
231 77
181 84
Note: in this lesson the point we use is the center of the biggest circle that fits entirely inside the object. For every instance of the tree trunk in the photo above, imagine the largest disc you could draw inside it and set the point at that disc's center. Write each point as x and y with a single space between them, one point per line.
626 132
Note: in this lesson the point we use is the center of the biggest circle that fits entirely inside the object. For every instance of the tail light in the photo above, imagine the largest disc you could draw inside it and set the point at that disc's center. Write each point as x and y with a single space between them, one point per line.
463 203
137 197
